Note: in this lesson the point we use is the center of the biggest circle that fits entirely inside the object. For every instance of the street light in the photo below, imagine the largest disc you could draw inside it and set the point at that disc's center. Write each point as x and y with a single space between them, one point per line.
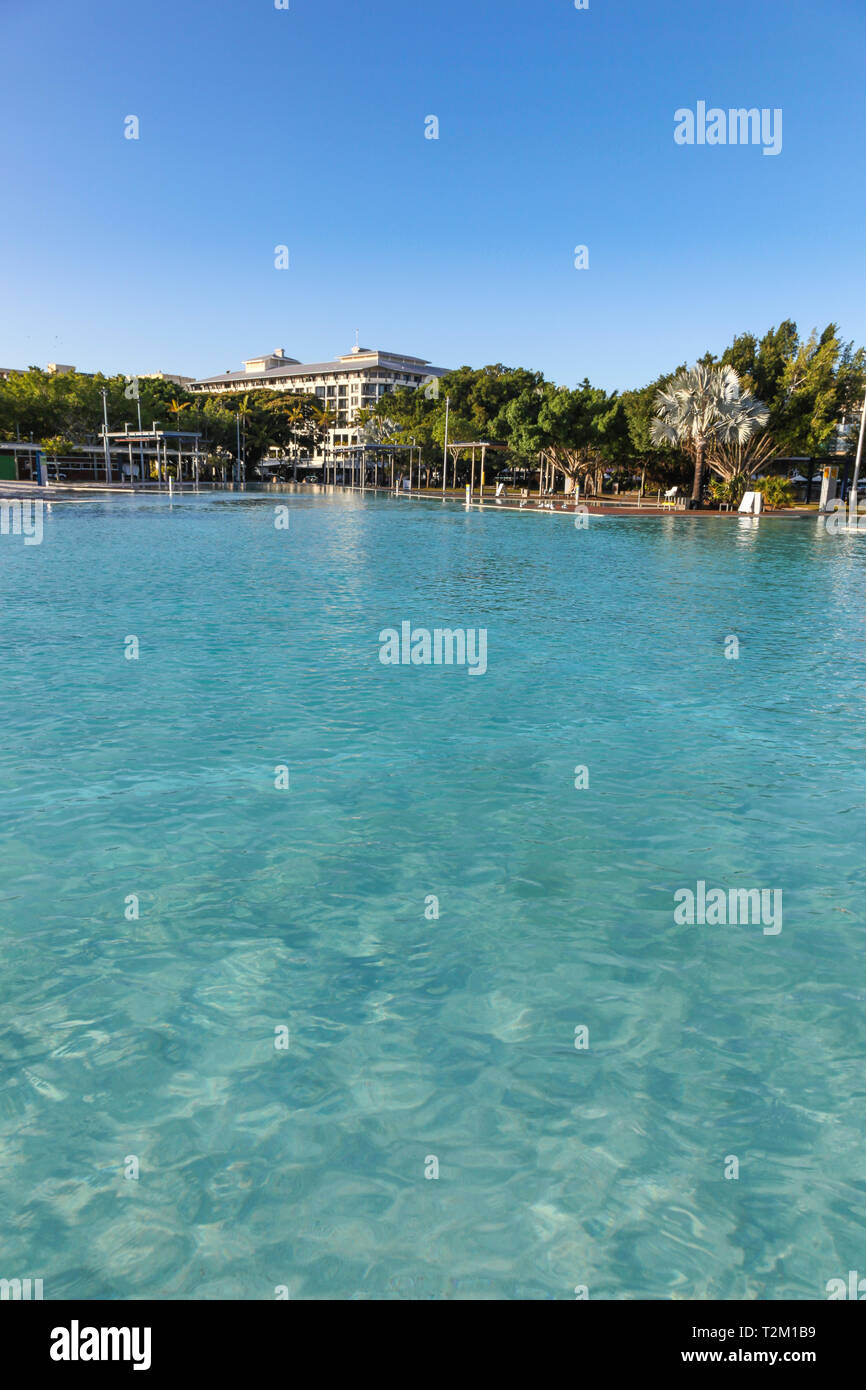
140 445
154 424
105 434
859 456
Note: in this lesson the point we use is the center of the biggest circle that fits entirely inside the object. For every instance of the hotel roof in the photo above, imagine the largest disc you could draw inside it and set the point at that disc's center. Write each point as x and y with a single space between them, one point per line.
362 358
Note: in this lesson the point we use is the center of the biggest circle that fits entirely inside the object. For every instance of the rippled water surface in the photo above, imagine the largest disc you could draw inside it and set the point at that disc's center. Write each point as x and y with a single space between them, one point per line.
411 1037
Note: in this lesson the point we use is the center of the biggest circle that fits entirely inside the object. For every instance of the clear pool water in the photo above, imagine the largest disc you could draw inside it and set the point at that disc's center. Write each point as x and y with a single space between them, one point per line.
413 1038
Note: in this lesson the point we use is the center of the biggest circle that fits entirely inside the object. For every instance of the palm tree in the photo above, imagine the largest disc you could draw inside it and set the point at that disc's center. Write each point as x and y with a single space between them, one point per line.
703 407
245 410
740 462
298 424
326 421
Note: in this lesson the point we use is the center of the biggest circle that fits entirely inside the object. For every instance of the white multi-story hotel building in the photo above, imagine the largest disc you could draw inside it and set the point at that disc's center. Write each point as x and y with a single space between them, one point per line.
348 384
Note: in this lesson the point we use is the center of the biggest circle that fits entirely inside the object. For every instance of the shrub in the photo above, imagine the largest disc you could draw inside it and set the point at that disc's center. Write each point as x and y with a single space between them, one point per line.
729 489
777 491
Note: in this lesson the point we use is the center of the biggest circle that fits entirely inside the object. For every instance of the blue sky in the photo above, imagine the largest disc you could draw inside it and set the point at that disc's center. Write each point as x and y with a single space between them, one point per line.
305 127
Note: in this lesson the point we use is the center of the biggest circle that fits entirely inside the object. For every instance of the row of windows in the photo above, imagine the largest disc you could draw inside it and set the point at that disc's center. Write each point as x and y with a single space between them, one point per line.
369 389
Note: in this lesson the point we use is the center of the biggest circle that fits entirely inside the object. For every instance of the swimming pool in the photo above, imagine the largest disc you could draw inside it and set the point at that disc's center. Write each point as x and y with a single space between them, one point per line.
451 894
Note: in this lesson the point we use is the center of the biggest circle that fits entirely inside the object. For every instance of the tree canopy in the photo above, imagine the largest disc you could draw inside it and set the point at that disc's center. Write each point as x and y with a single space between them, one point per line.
807 385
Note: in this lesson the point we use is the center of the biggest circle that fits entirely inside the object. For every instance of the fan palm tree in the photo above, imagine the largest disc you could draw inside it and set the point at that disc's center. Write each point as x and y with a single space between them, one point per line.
705 406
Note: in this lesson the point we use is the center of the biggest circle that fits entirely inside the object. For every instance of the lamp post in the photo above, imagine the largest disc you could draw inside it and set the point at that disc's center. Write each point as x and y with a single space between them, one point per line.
105 434
445 453
140 445
859 458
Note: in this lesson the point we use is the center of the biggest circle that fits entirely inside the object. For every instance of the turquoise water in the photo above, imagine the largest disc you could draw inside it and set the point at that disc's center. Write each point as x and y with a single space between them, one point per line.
413 1037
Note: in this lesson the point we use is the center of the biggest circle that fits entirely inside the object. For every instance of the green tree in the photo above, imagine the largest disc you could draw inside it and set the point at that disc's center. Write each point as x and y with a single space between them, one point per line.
807 386
701 407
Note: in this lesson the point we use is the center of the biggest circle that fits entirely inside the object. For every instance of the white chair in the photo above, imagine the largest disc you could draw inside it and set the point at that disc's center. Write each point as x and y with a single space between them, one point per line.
751 504
670 498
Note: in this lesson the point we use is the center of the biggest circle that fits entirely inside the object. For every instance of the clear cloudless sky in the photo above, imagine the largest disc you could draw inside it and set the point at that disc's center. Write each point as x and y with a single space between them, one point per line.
305 127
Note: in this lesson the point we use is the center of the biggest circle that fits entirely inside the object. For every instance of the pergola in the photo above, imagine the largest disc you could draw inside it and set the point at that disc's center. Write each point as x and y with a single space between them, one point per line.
152 446
457 447
356 456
